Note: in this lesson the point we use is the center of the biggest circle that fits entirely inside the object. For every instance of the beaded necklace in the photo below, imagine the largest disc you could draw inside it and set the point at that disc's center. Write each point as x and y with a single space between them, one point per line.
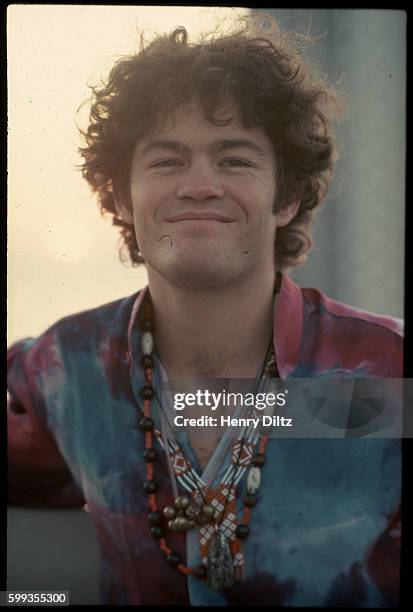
213 512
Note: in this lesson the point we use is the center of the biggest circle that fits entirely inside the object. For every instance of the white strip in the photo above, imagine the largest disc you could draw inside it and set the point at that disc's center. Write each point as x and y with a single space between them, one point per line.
238 478
189 477
184 485
228 474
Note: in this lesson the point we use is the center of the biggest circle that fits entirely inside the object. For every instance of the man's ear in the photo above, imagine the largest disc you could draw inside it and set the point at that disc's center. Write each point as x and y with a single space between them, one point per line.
287 213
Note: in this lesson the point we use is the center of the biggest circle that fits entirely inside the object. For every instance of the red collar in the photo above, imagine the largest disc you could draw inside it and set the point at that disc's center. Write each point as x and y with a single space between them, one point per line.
288 326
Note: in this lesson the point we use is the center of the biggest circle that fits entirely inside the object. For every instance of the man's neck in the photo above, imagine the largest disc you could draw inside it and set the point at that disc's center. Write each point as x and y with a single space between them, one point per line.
222 333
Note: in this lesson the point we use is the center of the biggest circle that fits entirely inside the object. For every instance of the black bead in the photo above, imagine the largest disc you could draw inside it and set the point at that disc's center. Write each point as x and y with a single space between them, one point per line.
173 559
16 407
250 500
146 325
155 518
258 459
150 486
146 392
200 571
146 424
147 362
157 532
150 455
242 531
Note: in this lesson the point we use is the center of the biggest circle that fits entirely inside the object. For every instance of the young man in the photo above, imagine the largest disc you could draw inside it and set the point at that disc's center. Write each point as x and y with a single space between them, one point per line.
211 158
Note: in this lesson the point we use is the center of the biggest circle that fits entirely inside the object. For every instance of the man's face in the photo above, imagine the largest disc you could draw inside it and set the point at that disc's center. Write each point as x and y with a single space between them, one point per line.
202 199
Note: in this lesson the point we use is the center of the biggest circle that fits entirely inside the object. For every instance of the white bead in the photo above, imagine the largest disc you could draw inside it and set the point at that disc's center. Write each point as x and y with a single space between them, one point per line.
253 480
147 343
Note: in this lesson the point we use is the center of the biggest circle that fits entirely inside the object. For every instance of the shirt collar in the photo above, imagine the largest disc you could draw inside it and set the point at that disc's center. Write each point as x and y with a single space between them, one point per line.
288 326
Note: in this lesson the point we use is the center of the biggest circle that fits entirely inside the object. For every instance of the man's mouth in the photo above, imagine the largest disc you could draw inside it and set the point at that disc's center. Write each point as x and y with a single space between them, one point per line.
199 216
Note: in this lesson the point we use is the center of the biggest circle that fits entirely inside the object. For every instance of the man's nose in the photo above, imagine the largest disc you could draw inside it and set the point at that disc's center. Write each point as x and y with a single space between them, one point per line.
200 182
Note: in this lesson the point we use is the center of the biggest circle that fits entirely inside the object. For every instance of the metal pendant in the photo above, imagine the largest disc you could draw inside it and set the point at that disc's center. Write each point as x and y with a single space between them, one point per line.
200 514
221 571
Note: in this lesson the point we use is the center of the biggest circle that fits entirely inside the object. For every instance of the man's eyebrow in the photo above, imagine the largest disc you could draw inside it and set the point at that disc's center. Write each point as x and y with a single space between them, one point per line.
222 144
171 145
237 143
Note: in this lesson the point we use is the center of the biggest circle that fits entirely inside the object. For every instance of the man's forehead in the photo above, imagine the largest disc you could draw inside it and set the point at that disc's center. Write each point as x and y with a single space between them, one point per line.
188 125
192 110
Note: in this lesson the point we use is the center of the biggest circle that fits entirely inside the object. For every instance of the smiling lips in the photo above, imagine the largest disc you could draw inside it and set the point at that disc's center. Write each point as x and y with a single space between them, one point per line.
200 216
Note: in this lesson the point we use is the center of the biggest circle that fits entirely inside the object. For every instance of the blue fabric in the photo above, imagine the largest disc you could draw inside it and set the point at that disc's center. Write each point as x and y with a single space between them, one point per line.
324 531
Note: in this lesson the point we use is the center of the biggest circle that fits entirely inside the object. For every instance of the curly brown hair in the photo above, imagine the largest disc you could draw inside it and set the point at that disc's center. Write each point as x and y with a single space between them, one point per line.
264 72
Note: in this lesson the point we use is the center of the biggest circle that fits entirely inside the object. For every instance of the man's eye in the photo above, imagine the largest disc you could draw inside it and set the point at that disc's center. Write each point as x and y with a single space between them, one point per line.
165 163
233 162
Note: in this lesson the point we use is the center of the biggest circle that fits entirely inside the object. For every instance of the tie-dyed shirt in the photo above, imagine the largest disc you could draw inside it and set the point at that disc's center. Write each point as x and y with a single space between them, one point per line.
326 530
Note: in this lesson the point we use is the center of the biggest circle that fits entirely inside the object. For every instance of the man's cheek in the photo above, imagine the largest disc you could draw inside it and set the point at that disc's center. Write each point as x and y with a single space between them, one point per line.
141 234
142 226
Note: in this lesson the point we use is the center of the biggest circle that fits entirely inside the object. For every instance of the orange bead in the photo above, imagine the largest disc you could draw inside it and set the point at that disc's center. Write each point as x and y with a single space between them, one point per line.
164 547
262 444
152 503
246 516
147 407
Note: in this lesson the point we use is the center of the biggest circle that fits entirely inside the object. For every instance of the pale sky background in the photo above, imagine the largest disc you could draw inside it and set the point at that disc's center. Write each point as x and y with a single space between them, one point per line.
62 256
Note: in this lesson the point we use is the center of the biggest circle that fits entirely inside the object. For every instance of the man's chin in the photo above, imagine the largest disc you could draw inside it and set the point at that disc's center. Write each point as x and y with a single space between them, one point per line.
197 273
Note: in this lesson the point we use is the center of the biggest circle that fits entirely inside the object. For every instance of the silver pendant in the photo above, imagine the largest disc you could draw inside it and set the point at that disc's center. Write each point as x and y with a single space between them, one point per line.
199 513
221 571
